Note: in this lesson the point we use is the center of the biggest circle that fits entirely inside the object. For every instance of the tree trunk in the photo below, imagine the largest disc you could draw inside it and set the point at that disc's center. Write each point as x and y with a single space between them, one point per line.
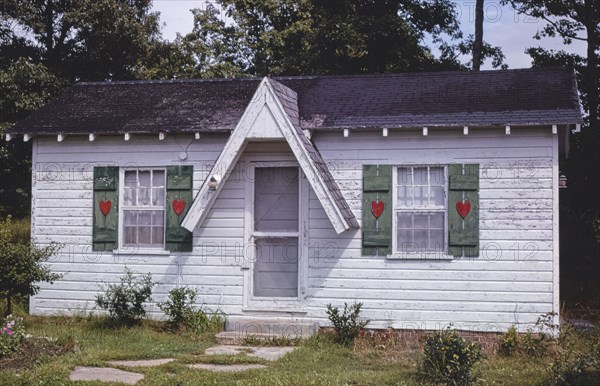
478 42
9 307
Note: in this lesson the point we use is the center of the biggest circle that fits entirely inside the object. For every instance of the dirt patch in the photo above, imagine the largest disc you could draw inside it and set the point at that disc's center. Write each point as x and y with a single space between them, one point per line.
34 350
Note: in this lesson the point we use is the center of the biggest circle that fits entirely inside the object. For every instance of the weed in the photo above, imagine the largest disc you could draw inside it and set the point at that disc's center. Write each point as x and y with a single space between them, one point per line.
346 323
125 301
449 358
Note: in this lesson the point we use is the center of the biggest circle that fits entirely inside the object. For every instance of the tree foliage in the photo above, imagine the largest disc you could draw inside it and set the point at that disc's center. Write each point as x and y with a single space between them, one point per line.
22 265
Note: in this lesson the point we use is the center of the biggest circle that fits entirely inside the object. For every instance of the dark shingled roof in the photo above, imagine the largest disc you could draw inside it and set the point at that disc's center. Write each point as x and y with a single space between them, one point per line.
289 101
507 97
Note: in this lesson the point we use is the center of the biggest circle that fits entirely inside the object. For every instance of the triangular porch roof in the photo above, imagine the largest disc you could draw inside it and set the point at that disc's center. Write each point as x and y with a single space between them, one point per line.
272 114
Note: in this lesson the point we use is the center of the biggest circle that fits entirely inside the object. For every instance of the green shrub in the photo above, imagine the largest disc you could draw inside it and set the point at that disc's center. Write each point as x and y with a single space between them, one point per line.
449 358
22 263
578 355
346 323
12 333
509 342
179 305
180 310
125 301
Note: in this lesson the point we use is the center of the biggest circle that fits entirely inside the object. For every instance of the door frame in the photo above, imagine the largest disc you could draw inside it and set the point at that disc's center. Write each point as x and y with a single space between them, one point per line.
272 304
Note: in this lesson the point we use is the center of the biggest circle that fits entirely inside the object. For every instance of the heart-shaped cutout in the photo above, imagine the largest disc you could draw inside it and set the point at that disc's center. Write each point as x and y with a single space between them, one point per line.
463 208
178 206
105 207
377 208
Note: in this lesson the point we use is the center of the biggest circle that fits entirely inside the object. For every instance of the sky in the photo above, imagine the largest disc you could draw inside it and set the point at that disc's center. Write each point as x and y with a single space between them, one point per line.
502 27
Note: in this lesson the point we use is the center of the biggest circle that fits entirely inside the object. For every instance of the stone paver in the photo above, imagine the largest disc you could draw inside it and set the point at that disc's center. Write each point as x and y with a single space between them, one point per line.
267 353
142 363
104 374
226 368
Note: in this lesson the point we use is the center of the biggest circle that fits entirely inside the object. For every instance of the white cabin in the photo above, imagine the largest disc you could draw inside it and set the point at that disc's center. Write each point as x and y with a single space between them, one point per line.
430 198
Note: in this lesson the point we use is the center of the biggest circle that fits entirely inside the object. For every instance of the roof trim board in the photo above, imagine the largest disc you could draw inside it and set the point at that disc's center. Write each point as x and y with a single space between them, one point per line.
266 117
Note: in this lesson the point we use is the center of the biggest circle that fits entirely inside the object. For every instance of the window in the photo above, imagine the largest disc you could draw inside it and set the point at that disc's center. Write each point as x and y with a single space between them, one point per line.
144 208
420 209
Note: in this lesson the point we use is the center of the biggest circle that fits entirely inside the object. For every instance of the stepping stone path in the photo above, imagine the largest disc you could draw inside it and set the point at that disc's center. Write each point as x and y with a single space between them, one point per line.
226 368
105 374
266 353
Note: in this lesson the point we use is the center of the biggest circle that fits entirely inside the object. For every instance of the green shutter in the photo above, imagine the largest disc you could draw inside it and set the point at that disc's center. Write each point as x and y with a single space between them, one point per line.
463 186
179 197
106 198
377 232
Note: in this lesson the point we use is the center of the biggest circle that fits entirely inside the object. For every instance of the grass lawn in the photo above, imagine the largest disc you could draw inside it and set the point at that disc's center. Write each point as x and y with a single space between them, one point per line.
317 361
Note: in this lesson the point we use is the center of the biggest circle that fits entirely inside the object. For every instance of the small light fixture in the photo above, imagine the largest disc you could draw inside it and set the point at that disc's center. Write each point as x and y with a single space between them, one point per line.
562 181
214 182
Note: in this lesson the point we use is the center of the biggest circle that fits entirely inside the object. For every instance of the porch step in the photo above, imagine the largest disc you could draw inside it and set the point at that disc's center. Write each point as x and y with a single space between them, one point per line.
238 330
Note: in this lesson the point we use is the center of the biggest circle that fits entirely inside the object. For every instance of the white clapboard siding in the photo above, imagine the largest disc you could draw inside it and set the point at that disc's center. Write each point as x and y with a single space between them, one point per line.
511 282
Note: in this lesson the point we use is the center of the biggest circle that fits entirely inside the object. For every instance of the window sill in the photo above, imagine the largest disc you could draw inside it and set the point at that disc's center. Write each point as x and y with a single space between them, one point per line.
421 256
146 252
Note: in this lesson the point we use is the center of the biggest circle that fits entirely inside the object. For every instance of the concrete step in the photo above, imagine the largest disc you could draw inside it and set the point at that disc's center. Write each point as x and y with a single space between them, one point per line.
240 328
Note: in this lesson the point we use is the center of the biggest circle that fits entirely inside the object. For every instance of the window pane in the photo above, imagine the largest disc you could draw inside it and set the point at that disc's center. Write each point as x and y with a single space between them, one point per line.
404 240
421 238
158 196
157 217
436 240
420 196
144 197
130 217
405 221
129 196
144 177
437 196
404 196
158 235
421 221
131 179
130 235
158 178
144 236
420 176
276 199
436 221
404 176
436 176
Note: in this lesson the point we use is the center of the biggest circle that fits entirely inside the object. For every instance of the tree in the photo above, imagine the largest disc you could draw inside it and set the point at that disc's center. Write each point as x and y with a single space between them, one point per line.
21 262
299 37
478 41
569 20
79 39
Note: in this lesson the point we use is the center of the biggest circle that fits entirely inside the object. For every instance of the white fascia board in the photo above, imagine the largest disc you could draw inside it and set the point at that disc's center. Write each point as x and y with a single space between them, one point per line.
235 146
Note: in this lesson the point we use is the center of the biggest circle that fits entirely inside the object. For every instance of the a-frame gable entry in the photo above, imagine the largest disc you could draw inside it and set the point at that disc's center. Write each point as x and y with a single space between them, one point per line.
272 114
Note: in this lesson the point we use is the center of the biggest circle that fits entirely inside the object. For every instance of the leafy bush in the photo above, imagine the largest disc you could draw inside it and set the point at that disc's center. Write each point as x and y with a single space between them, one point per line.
449 358
125 301
12 333
578 352
346 324
179 305
22 262
180 310
509 342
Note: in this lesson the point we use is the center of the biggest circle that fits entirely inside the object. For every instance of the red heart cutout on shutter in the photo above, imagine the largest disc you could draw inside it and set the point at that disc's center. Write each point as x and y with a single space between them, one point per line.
463 208
178 206
377 208
105 207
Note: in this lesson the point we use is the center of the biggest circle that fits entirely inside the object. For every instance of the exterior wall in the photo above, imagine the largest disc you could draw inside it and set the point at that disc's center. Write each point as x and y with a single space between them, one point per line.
514 280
